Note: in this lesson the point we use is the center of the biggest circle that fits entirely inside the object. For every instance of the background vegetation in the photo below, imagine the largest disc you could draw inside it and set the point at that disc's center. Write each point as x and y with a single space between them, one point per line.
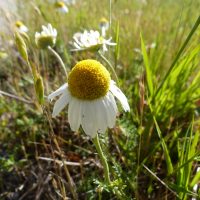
153 152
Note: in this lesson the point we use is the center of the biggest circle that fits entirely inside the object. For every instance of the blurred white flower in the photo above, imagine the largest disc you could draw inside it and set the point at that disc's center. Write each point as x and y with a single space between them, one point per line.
148 47
90 40
61 7
21 27
90 95
47 37
104 26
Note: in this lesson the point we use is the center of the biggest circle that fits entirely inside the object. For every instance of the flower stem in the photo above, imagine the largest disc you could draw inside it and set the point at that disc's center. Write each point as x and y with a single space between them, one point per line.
59 59
103 159
109 64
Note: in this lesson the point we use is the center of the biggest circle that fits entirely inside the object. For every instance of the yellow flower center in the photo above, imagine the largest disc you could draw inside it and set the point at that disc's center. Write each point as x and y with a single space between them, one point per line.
103 22
18 24
59 4
89 80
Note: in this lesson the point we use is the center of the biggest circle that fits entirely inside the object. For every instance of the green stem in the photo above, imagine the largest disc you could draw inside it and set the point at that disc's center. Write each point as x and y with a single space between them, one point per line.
103 159
110 12
59 59
109 64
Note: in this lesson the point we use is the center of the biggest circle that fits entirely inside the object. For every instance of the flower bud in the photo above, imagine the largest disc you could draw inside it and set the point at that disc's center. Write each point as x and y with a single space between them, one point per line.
21 46
39 89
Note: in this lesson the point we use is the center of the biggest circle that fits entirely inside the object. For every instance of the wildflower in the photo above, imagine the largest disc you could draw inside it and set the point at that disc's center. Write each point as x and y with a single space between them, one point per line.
90 40
61 7
21 27
104 25
90 94
148 48
47 37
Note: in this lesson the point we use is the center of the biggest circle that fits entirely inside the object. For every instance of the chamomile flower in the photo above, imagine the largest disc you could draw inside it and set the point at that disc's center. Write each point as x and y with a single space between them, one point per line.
21 27
104 26
61 7
46 38
90 40
89 94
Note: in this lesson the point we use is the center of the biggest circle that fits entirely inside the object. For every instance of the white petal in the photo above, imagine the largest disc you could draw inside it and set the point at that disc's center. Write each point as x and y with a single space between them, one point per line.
76 45
103 31
104 48
108 42
77 37
101 116
54 32
24 28
45 29
61 103
58 92
120 96
50 28
111 110
65 9
89 118
37 35
75 113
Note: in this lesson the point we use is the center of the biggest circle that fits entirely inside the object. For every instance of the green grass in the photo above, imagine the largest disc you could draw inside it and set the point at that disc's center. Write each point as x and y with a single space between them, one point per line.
152 152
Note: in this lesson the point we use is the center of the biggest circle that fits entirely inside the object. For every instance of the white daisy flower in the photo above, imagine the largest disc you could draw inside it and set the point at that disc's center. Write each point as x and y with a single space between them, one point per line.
21 27
90 40
47 37
148 48
61 7
104 26
90 95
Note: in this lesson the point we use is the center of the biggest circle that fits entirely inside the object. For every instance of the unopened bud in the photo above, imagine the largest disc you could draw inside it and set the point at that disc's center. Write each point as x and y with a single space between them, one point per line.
39 88
21 46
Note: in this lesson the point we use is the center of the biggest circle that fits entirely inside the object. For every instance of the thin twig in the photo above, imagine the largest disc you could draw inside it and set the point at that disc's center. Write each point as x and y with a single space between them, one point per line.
15 97
60 162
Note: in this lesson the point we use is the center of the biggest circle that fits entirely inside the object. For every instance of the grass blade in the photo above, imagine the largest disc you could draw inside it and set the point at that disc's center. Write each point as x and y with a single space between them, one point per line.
147 67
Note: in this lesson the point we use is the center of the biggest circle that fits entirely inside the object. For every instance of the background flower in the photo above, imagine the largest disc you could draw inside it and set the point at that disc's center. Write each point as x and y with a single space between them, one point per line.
90 40
47 37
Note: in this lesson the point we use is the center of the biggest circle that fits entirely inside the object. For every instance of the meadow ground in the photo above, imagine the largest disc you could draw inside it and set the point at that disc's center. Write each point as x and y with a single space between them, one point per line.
153 151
